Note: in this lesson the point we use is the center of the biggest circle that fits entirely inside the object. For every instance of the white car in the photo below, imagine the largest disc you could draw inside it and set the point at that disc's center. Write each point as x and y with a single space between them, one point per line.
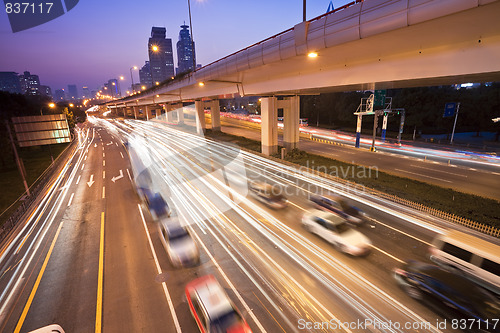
177 241
335 230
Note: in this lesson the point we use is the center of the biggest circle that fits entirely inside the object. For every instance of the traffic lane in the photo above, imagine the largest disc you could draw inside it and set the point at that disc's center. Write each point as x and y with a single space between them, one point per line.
67 292
233 244
368 267
33 319
319 293
414 149
474 181
23 229
133 297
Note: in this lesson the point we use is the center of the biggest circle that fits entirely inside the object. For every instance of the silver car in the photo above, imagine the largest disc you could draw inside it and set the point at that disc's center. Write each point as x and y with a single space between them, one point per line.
178 242
335 230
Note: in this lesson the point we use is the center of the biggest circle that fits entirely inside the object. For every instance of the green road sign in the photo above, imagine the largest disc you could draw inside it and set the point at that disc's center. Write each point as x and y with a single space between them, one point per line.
379 98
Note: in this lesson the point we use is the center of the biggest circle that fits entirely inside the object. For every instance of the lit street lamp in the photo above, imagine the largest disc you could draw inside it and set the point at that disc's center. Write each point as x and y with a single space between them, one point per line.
51 105
132 77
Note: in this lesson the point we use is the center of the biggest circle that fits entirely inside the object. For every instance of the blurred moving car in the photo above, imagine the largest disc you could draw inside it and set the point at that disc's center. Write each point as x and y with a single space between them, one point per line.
178 242
478 259
335 230
212 309
341 207
157 206
54 328
451 292
268 194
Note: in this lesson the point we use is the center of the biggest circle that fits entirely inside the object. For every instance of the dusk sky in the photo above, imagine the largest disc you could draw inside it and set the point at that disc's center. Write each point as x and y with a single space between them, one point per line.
101 40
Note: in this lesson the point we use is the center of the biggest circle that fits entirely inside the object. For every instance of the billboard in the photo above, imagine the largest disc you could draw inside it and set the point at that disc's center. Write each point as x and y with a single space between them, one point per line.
41 130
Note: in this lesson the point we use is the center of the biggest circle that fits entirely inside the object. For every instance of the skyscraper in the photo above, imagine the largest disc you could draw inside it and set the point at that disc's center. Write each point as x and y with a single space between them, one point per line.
59 95
45 91
145 75
30 84
72 92
114 88
9 81
186 57
161 58
86 93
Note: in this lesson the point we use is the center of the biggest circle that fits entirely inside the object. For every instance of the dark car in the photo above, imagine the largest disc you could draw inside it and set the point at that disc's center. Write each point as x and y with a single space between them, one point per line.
452 294
341 207
268 195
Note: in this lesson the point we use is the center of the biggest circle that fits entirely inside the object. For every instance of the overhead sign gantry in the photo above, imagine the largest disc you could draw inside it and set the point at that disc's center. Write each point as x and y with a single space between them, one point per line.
378 104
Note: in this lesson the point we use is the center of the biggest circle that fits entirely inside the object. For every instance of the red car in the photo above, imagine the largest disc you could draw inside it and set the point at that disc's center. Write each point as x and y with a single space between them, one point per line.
212 309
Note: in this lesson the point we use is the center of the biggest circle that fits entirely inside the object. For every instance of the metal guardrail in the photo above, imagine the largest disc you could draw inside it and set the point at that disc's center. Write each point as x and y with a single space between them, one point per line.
35 189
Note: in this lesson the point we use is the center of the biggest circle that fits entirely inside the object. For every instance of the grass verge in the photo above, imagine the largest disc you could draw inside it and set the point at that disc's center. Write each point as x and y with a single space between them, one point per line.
35 160
469 206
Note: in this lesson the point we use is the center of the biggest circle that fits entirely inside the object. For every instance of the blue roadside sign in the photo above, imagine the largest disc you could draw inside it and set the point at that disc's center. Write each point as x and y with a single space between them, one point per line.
449 109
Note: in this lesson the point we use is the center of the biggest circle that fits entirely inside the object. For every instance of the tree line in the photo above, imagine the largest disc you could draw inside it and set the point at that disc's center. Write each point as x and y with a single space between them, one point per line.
424 108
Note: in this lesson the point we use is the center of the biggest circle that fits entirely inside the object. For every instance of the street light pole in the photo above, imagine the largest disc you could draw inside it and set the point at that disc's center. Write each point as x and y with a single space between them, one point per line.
304 10
132 77
192 38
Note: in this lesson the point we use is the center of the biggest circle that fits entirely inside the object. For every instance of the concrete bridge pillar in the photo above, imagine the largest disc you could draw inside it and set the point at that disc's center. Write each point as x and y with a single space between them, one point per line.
124 112
215 115
170 114
269 126
180 113
149 115
291 120
201 125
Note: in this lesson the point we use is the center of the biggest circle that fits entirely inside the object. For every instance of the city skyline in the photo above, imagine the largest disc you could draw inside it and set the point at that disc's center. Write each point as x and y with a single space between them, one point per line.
73 50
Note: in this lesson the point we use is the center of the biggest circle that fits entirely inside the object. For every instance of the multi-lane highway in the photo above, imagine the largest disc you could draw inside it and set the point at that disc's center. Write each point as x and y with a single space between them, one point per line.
463 171
90 259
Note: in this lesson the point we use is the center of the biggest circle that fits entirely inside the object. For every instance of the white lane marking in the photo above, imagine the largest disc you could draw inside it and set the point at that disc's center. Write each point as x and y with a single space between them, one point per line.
245 305
401 232
103 155
103 192
496 173
103 174
78 180
121 154
472 169
388 254
85 157
116 143
158 268
91 181
295 205
103 163
114 179
70 199
129 175
450 173
419 174
83 166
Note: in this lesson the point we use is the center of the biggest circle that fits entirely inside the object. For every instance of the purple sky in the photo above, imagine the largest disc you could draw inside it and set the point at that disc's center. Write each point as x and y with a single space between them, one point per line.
101 39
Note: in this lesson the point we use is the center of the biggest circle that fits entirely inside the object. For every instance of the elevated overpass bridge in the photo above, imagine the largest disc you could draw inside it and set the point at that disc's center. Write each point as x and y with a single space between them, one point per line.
365 45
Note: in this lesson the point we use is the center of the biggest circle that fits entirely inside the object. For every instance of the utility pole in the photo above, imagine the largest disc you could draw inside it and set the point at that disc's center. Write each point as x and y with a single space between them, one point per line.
18 161
455 123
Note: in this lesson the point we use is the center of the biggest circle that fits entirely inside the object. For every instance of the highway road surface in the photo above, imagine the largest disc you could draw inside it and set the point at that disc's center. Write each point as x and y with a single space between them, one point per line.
457 170
89 258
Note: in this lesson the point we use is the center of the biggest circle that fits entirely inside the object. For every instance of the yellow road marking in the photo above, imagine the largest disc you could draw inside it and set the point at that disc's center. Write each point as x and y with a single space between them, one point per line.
37 283
98 313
